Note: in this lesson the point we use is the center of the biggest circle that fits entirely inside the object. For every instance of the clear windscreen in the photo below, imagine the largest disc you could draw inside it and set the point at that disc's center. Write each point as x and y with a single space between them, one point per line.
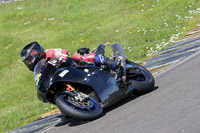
118 50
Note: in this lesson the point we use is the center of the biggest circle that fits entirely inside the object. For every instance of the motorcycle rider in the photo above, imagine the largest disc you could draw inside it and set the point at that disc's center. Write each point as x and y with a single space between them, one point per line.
34 52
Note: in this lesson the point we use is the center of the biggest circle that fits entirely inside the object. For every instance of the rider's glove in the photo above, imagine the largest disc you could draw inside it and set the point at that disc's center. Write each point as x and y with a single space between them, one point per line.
62 58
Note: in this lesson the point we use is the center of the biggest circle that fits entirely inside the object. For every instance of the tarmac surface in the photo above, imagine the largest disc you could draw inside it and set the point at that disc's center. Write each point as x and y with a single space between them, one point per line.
171 107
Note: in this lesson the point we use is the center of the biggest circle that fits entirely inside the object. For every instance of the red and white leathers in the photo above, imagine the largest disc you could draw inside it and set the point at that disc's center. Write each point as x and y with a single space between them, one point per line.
87 58
90 58
62 54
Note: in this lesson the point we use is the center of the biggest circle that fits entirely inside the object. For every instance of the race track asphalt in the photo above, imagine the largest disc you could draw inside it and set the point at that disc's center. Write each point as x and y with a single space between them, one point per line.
173 107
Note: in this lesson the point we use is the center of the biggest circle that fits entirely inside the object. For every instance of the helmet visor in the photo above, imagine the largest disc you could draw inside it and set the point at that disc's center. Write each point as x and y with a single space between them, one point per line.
30 59
29 62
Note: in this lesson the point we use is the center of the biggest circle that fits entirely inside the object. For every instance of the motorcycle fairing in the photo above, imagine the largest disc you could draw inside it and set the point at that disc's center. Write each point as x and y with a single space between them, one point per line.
106 87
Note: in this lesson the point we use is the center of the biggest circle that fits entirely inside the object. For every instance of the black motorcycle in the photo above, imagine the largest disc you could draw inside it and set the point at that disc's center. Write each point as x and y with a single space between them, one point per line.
83 91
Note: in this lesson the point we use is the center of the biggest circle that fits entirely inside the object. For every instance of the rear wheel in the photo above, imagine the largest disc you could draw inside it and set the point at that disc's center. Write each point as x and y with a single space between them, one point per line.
88 109
140 78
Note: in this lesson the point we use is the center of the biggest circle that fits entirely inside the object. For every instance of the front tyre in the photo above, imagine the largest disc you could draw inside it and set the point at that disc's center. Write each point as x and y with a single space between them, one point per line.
141 78
88 109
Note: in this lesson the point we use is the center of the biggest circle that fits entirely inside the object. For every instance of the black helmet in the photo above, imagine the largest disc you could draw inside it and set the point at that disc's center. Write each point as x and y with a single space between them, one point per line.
31 54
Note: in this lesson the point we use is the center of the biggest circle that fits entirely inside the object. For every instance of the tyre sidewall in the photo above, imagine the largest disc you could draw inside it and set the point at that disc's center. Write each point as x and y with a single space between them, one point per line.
64 107
142 87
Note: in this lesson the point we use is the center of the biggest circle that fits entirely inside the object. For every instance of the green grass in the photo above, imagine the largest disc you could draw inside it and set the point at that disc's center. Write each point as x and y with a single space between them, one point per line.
142 27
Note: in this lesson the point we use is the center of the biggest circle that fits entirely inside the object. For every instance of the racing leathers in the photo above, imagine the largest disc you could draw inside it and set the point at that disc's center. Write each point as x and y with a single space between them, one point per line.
80 58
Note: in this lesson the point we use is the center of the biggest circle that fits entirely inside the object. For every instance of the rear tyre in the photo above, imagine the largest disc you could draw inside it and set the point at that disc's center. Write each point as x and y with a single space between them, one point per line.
87 110
140 78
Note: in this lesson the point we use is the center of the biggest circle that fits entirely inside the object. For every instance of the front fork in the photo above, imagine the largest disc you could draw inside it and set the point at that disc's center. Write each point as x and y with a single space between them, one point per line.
71 91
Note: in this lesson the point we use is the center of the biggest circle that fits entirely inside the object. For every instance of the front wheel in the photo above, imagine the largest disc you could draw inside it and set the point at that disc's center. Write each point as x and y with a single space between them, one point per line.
140 77
88 109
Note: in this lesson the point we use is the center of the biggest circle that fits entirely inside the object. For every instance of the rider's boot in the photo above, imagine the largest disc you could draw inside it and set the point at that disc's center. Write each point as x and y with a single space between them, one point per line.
102 60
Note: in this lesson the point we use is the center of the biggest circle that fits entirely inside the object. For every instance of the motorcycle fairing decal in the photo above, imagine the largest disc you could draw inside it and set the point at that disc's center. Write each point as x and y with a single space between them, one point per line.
37 80
62 74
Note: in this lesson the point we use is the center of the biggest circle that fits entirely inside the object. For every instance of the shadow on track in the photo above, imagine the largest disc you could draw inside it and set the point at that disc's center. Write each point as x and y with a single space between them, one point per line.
75 122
